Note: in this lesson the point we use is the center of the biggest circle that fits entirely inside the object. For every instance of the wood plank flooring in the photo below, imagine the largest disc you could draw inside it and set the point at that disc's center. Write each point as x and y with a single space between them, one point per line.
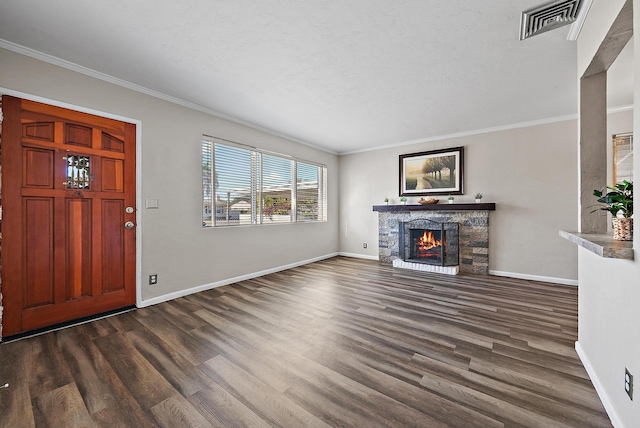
342 342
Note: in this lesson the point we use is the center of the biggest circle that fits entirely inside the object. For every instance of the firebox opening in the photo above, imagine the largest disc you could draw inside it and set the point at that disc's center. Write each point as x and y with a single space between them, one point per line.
426 242
427 245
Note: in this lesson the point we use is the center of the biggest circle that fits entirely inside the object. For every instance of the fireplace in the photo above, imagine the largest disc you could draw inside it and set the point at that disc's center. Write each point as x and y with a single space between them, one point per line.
429 242
467 241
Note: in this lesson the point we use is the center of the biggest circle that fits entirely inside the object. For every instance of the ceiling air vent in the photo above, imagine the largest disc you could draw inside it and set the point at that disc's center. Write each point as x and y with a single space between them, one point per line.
548 16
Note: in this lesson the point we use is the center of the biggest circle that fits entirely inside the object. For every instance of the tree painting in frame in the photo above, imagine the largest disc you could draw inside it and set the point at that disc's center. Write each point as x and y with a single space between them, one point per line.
436 172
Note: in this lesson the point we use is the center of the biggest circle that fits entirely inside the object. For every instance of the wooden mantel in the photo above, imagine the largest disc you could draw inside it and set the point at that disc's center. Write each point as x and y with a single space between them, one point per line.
489 206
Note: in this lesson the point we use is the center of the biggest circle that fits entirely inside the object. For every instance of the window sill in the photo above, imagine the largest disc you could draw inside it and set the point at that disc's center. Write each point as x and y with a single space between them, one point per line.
601 244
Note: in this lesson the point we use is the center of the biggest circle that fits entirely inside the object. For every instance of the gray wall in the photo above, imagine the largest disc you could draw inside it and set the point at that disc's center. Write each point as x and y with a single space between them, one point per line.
173 243
529 172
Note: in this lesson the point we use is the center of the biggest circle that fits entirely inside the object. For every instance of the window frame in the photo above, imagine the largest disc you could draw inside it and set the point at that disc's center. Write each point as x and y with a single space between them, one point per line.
256 189
619 140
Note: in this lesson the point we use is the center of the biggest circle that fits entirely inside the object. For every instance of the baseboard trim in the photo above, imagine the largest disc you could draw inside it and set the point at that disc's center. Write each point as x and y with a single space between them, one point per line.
564 281
606 402
205 287
358 256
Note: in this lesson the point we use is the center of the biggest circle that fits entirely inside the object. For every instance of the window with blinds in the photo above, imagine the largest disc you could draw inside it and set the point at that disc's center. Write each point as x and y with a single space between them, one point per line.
243 186
310 204
622 158
275 191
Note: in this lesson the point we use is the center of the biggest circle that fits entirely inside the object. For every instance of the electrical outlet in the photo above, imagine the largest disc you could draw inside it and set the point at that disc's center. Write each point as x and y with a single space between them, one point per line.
153 279
628 383
364 245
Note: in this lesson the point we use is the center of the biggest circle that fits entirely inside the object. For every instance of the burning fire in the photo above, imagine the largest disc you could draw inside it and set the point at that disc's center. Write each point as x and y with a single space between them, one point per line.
427 241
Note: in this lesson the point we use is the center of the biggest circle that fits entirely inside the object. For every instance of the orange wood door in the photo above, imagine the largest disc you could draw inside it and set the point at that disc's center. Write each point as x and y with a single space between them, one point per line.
67 180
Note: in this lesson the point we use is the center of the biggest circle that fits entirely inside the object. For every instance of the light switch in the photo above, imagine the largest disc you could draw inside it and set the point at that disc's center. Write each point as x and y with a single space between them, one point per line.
151 203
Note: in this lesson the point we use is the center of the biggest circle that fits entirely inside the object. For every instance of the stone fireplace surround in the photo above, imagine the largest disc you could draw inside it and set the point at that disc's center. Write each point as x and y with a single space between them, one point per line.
474 230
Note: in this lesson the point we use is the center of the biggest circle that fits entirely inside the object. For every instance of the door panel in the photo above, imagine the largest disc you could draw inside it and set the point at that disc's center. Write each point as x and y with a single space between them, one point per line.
39 260
112 245
79 249
38 168
78 135
39 130
111 143
112 175
67 179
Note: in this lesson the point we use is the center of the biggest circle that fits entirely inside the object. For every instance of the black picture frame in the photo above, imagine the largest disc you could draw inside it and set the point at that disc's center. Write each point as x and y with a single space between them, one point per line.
434 172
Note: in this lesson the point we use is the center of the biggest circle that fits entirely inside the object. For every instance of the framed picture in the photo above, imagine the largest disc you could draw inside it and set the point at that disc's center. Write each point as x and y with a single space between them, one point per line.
437 172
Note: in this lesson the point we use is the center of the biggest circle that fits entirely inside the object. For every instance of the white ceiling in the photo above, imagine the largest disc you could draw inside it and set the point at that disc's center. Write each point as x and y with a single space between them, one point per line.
344 75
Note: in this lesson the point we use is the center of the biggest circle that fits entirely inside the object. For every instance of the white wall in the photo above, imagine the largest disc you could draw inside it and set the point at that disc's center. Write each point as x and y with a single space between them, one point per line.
174 245
608 331
530 173
593 31
609 290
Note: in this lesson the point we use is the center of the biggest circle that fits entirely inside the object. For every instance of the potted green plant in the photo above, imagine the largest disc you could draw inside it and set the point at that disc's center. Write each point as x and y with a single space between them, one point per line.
450 198
478 197
386 201
619 202
403 200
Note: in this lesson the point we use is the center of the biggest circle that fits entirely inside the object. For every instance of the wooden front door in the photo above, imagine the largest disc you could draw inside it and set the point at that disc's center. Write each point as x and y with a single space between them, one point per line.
68 188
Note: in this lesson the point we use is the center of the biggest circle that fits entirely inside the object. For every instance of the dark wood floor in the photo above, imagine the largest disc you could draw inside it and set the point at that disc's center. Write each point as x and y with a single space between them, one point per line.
342 342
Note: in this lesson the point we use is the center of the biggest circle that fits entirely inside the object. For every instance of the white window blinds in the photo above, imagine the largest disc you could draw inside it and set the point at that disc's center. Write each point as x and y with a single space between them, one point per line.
622 158
310 186
242 185
277 195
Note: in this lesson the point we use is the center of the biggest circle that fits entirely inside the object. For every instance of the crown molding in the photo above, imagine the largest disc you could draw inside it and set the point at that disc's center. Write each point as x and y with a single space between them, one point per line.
469 133
619 109
4 44
50 59
576 27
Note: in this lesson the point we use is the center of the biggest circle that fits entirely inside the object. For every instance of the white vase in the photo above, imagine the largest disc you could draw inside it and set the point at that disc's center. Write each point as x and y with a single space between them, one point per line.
450 201
478 201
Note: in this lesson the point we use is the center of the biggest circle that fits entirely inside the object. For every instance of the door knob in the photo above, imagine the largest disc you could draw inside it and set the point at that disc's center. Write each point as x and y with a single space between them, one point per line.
129 225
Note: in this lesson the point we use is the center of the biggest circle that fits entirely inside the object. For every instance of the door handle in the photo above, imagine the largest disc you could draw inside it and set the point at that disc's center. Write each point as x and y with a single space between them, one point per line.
129 225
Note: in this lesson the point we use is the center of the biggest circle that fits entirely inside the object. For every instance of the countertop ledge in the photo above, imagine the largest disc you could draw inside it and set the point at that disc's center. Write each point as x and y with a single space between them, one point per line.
601 244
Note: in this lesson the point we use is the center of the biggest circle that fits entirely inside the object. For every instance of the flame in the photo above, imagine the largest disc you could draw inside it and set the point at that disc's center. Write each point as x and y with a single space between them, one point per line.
427 241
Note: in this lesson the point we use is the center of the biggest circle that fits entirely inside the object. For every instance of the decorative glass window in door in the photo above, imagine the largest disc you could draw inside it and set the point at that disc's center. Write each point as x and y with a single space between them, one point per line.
78 172
622 157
